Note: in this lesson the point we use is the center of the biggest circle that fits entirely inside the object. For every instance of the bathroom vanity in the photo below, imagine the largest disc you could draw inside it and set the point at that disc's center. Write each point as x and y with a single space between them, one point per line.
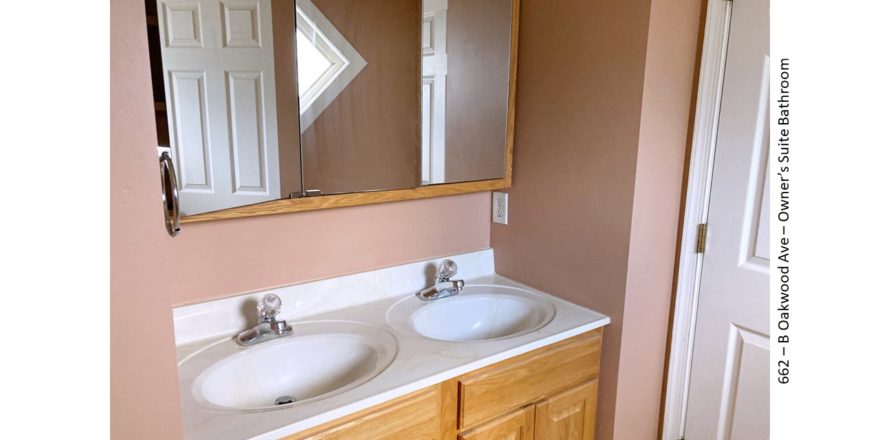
547 393
368 359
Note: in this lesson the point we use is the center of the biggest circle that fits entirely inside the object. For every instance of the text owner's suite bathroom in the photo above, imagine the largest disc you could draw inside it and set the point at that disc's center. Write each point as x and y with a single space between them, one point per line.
439 219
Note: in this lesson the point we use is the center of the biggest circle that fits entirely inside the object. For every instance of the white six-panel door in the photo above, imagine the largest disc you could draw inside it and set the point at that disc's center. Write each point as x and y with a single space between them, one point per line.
728 396
220 95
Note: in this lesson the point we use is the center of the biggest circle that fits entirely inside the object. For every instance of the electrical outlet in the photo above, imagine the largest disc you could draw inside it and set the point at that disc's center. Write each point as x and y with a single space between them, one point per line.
499 207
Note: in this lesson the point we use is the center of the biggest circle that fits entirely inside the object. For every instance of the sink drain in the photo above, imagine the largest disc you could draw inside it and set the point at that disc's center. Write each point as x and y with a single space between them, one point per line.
284 400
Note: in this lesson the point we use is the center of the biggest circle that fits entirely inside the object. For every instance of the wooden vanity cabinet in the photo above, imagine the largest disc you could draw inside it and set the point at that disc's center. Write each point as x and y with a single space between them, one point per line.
546 394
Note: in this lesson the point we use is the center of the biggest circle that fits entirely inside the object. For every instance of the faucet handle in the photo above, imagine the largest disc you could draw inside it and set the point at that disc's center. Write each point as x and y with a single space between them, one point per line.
269 306
446 270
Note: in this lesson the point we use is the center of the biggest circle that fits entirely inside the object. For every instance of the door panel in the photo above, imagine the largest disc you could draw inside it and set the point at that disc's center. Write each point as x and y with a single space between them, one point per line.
187 89
245 122
570 415
745 403
728 395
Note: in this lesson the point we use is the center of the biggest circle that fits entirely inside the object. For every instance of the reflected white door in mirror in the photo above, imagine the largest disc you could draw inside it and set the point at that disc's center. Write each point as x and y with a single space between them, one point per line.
219 78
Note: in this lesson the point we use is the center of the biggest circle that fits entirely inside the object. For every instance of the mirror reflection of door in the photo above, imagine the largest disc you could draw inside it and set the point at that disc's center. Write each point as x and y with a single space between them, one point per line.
478 42
226 101
219 79
465 70
434 91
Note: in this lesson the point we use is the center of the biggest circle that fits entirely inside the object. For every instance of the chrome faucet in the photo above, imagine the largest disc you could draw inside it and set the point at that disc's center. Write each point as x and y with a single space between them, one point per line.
269 327
443 286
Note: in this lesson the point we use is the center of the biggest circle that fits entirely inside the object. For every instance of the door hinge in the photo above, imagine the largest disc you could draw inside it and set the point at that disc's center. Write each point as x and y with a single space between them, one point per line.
702 230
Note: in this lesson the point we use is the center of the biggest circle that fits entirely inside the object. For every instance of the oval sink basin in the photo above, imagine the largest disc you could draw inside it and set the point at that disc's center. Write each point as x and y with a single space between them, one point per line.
479 313
319 360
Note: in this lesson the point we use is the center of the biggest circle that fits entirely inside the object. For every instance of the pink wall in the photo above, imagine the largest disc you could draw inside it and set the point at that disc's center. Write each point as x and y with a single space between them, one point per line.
151 271
143 370
669 87
217 259
602 120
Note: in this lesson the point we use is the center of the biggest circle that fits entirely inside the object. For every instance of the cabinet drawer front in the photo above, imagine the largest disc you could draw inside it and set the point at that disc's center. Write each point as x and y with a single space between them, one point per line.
413 417
518 425
499 388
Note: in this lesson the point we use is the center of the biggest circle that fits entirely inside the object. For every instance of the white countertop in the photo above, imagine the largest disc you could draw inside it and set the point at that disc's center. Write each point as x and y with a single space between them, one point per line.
420 362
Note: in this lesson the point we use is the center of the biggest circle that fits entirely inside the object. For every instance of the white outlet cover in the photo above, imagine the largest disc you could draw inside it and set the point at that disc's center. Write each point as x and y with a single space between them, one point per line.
499 207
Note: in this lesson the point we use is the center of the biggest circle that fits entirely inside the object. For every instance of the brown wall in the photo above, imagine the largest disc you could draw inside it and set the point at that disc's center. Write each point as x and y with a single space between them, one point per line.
286 95
581 70
143 364
368 138
478 48
602 118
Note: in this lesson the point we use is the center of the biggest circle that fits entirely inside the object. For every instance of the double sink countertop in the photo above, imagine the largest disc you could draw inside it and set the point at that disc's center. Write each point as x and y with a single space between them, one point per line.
419 362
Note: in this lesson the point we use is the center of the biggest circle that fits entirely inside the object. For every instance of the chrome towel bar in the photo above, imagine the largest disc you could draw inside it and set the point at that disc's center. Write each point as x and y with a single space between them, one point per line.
170 202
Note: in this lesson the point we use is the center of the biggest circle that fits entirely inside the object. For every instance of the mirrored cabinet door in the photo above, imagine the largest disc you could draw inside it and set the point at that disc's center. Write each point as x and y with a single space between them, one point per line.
260 101
466 46
375 125
359 64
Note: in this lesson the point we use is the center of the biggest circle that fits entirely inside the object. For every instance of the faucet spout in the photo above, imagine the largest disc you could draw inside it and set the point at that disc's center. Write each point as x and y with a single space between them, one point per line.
269 327
444 286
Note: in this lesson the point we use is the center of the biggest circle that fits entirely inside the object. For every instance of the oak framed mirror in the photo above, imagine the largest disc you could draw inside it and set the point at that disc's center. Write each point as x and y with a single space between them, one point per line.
276 106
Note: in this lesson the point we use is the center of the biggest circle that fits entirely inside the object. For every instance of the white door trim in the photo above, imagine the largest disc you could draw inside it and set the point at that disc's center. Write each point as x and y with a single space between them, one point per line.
696 212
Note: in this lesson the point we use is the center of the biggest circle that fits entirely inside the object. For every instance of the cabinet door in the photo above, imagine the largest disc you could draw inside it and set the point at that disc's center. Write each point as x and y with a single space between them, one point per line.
528 378
518 425
569 415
